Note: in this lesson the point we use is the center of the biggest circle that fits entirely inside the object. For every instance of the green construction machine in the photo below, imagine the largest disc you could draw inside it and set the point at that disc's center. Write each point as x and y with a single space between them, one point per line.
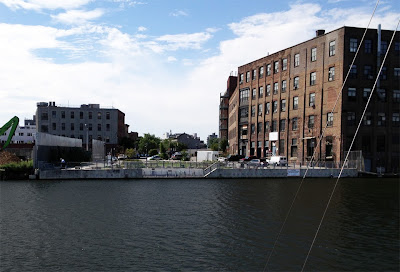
13 123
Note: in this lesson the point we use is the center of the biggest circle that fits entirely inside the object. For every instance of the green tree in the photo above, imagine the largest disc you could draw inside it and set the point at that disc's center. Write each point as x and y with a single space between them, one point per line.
223 144
148 142
163 153
214 144
130 152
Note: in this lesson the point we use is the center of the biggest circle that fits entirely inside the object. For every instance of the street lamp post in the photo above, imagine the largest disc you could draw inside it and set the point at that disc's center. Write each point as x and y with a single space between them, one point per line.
87 137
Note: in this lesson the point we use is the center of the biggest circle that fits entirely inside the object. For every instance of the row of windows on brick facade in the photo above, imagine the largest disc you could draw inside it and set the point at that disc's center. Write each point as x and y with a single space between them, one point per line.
369 73
296 61
381 94
45 116
45 128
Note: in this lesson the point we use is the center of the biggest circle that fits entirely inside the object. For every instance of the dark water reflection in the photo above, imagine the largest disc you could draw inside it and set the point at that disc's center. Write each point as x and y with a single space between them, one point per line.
197 225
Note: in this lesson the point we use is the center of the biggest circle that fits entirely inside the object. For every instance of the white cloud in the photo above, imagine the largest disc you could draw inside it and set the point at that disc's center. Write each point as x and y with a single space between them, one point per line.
77 17
171 59
179 13
142 28
44 4
184 41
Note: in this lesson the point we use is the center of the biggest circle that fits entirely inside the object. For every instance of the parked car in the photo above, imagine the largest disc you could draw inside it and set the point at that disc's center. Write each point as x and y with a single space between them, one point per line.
153 158
277 160
234 157
122 157
221 159
255 162
176 156
248 158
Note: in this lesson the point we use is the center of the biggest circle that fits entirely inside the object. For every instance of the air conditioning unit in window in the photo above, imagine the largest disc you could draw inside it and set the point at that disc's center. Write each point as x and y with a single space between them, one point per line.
295 87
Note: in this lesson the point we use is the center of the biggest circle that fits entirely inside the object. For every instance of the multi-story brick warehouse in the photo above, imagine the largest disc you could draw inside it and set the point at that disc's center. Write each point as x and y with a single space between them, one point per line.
283 101
87 122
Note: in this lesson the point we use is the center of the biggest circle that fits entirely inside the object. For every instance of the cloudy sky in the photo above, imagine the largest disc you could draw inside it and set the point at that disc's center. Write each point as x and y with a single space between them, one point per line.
163 63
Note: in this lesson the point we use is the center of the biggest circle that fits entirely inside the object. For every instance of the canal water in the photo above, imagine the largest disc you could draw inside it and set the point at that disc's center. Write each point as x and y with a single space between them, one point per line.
198 225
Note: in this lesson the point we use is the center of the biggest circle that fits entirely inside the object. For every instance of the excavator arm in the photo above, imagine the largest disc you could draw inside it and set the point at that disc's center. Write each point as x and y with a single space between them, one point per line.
13 123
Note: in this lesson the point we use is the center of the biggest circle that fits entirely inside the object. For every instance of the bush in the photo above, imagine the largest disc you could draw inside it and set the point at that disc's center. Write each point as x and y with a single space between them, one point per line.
153 152
18 166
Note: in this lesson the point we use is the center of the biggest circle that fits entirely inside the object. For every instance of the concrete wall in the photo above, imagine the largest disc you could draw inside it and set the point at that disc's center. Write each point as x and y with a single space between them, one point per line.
53 140
90 174
277 173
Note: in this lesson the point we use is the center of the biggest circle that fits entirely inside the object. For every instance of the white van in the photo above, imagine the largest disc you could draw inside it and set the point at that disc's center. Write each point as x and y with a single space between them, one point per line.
277 160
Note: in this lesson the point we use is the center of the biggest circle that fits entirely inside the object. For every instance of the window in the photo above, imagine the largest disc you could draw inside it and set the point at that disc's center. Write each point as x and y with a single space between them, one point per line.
72 114
108 115
276 67
313 78
243 130
80 126
90 115
311 120
45 116
260 109
396 95
366 143
368 72
62 126
54 126
397 47
261 71
331 74
253 128
247 76
108 126
253 111
259 128
329 119
296 60
98 127
266 126
283 105
53 114
276 87
313 54
284 64
351 118
241 78
44 128
312 99
253 93
268 90
274 127
295 102
283 86
383 73
366 93
380 143
90 127
72 126
243 96
396 119
244 112
254 76
368 46
381 119
353 71
295 123
367 120
381 95
384 47
62 114
99 115
296 81
293 149
332 48
351 94
275 106
261 91
353 45
267 107
396 72
268 69
281 147
81 114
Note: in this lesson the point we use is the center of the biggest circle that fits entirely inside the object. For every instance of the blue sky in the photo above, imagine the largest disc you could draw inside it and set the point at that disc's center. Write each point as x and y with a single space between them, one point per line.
163 63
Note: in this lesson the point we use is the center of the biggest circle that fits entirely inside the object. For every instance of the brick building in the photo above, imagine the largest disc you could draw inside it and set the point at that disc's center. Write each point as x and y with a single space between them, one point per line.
283 101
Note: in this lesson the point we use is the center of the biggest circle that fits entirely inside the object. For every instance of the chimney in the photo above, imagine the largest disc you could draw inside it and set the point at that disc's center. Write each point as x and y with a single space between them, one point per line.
319 32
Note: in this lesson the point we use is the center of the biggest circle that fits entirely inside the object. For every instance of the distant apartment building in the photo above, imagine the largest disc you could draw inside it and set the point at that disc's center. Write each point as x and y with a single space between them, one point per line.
191 141
283 101
86 122
22 135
